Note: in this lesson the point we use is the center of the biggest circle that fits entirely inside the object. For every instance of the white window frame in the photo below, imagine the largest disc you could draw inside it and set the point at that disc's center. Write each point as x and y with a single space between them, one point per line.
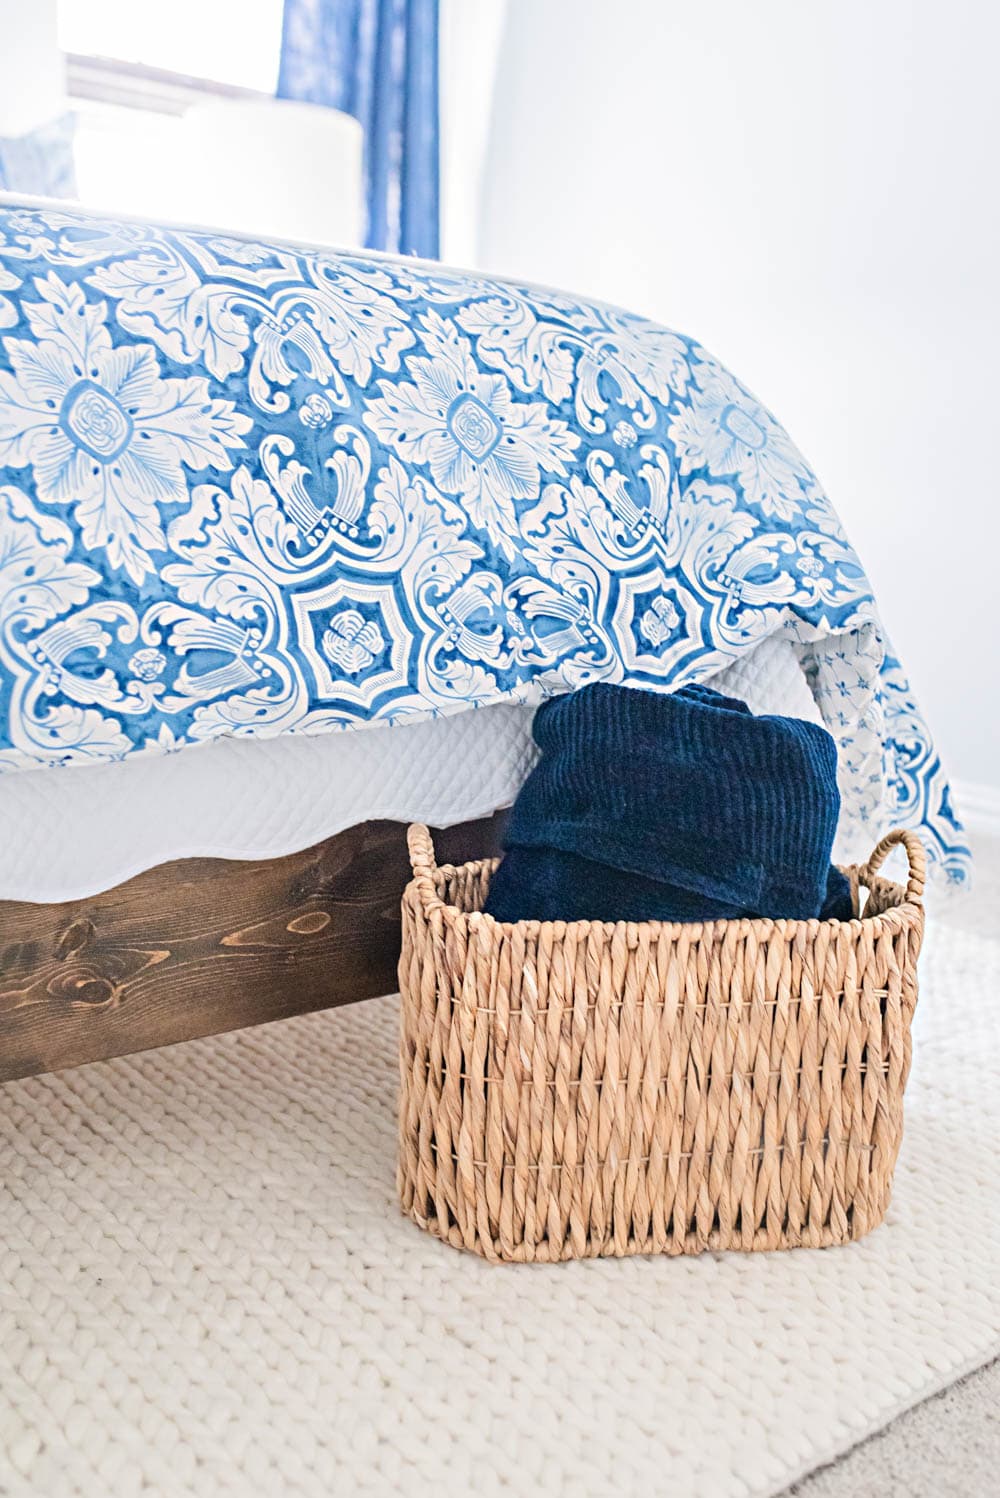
106 81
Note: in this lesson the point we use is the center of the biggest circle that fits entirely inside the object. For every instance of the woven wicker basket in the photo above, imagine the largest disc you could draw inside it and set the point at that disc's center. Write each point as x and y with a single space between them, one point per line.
582 1088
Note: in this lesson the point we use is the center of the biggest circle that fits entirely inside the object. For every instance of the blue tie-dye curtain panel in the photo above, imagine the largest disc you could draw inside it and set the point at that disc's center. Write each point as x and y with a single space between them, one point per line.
378 61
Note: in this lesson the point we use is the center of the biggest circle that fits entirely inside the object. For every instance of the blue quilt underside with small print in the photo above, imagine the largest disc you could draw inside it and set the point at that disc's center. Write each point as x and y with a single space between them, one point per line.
253 489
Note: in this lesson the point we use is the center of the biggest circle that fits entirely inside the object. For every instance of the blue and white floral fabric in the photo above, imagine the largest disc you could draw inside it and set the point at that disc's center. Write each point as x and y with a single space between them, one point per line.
249 489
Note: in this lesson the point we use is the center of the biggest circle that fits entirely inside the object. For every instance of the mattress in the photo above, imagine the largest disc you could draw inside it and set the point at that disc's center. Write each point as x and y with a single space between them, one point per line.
71 833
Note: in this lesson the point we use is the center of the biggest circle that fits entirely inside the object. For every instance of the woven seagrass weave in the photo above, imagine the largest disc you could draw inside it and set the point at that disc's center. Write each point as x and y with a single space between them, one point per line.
579 1089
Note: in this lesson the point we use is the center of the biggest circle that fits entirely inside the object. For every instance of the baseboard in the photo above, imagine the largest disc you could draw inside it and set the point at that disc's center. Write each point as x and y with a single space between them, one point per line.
978 805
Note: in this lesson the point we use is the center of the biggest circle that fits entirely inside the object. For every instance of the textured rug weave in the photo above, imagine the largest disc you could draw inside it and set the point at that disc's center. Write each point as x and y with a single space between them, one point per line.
206 1288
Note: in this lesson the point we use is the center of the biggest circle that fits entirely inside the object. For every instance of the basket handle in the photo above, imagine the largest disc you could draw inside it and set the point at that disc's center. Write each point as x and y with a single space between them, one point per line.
914 852
422 861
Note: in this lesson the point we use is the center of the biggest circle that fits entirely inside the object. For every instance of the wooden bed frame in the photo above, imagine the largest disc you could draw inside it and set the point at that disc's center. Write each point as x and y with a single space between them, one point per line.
205 945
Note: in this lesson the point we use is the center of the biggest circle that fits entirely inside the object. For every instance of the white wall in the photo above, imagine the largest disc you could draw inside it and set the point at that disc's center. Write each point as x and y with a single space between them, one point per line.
470 32
811 190
31 67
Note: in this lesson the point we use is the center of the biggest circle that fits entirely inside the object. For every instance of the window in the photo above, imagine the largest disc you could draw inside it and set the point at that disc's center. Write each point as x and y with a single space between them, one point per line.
134 69
176 121
232 43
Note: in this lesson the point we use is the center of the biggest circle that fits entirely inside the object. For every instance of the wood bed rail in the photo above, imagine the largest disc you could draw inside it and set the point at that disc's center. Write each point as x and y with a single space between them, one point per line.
204 945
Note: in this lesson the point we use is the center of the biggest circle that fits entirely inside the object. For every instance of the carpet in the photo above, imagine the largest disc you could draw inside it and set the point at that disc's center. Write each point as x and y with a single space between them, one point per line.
946 1447
206 1288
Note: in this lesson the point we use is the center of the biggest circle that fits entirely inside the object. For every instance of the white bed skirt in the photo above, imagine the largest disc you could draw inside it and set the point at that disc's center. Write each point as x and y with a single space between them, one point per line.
68 834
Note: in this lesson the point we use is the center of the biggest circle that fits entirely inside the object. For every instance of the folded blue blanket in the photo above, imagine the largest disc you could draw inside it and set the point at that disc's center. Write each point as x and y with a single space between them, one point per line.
679 807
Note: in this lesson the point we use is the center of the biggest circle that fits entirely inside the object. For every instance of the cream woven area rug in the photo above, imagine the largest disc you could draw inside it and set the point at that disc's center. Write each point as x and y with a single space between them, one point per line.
206 1288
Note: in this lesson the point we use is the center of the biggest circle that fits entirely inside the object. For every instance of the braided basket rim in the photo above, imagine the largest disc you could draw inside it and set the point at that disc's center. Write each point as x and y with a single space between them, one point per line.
900 911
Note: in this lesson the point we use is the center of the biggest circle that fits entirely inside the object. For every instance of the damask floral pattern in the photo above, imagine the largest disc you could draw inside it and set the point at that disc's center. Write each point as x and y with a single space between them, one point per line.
725 431
246 489
8 312
480 445
100 428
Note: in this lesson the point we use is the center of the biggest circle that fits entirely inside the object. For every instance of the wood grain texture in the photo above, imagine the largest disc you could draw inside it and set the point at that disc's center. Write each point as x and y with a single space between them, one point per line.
204 945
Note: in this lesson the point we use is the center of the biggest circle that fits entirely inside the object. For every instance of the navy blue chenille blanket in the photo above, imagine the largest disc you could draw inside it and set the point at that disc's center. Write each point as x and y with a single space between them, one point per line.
675 807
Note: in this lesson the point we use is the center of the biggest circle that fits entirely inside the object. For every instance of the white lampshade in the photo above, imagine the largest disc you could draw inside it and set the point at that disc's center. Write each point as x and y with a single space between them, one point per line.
271 167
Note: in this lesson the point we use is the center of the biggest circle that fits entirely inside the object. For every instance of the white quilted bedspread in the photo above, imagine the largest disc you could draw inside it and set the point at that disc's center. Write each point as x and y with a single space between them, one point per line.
69 834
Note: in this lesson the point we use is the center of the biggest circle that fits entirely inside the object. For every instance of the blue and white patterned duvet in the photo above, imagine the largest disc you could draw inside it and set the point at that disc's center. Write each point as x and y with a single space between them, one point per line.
250 489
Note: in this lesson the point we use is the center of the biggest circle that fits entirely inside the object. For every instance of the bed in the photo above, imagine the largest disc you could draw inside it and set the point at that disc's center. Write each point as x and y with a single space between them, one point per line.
292 543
